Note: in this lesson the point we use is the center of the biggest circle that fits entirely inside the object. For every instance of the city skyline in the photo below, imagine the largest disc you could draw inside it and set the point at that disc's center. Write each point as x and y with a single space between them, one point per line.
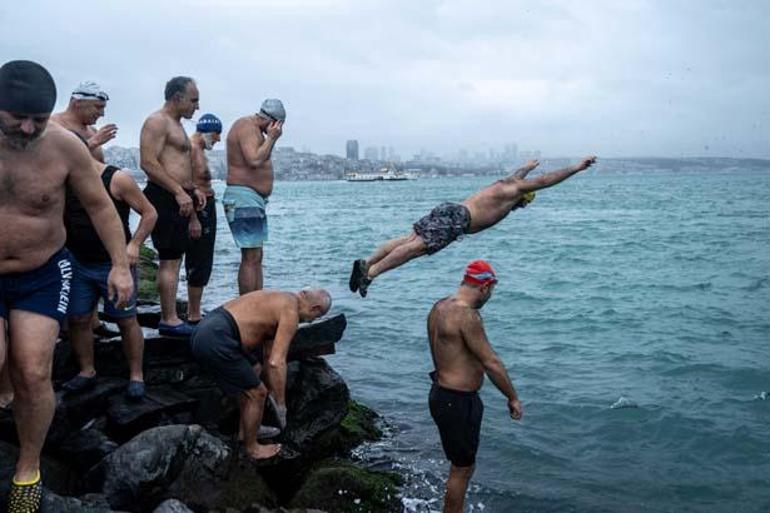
618 79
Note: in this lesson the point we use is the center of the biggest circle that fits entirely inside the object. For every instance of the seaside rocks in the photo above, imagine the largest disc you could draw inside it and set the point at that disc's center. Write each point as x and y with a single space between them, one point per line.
342 487
172 506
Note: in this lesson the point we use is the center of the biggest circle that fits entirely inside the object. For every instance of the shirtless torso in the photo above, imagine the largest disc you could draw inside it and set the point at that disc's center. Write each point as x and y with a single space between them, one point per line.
164 137
200 167
259 314
457 367
248 157
32 186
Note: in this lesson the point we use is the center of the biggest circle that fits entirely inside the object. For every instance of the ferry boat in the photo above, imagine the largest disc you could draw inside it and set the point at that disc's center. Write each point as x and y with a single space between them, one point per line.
388 173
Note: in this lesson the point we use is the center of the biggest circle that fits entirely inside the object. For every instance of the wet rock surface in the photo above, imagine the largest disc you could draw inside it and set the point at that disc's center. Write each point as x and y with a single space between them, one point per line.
176 452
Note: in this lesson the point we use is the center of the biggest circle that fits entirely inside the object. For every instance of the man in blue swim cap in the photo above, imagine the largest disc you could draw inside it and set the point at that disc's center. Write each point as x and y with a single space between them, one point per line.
199 258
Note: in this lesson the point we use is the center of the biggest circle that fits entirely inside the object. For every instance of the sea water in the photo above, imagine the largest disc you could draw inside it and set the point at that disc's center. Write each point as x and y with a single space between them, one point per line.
632 312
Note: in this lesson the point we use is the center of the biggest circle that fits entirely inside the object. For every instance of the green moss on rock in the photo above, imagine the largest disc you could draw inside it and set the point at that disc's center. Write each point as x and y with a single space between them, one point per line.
343 487
358 426
148 271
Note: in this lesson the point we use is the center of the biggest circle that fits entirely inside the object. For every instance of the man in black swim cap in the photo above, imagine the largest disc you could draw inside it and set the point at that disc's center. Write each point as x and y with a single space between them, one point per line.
37 160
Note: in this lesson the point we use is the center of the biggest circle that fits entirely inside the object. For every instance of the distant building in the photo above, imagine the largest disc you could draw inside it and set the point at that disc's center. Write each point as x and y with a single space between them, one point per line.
351 149
530 155
372 153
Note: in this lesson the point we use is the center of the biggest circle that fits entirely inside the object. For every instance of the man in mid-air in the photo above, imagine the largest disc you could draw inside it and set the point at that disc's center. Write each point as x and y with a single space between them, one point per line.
233 341
461 356
449 221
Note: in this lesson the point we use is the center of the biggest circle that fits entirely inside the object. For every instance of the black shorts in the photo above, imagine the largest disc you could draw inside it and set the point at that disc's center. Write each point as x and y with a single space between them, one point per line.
458 418
45 290
443 225
171 235
199 258
216 345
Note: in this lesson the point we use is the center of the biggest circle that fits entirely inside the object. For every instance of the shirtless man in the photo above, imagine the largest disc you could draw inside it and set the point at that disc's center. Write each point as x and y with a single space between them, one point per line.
165 156
199 258
37 160
250 143
449 221
461 355
86 106
232 342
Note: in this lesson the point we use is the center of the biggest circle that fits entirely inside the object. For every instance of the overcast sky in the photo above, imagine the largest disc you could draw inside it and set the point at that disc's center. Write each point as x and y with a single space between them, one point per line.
616 77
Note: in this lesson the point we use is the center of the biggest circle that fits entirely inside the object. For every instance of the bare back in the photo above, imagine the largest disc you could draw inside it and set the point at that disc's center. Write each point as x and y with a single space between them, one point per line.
258 314
32 192
492 204
457 367
174 154
245 136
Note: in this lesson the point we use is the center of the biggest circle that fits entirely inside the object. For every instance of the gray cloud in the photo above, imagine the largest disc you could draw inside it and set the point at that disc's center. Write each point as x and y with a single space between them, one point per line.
615 78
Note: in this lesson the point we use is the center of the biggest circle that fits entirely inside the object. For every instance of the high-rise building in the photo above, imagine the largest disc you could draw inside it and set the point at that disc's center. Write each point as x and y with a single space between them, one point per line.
372 153
351 149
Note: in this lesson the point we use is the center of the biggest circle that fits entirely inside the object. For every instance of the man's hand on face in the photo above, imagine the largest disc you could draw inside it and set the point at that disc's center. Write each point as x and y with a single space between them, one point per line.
515 409
586 163
103 135
185 203
275 129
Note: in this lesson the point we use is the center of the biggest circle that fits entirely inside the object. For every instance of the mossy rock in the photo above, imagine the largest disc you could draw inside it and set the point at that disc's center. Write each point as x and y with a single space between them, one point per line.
148 272
343 487
358 426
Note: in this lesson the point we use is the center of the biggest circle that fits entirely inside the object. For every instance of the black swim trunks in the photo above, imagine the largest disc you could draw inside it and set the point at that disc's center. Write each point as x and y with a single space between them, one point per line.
443 225
44 290
171 235
216 344
199 258
457 415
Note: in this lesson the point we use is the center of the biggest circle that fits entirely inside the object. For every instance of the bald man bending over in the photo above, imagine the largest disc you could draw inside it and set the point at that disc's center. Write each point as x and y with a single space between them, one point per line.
234 340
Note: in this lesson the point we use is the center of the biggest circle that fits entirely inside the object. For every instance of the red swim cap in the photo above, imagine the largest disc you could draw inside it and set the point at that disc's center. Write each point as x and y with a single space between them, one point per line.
480 272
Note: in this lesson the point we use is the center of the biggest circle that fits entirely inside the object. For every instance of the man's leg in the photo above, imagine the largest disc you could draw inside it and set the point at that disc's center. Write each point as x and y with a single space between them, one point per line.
133 346
412 247
6 389
168 281
194 298
385 249
81 337
250 272
252 403
456 486
32 337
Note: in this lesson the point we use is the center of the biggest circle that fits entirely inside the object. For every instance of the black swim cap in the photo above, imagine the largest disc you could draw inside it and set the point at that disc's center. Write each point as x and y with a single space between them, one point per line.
26 87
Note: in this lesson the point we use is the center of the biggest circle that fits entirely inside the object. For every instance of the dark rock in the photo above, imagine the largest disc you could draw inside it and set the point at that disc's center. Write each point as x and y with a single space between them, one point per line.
172 506
345 488
178 461
317 400
56 476
317 338
127 418
85 448
358 426
53 503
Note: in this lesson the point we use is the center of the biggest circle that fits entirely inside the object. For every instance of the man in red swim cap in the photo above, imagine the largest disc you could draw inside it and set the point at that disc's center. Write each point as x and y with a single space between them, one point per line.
450 221
462 355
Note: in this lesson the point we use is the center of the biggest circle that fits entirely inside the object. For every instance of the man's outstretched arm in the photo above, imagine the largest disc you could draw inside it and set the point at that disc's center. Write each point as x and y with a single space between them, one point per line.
554 177
477 342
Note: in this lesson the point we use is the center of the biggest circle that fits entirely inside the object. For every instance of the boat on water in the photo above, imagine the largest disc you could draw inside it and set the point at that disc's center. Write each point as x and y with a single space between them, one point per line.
388 173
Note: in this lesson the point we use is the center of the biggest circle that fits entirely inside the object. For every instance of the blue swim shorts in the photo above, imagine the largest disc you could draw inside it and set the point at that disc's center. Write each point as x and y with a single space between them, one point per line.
245 213
44 290
89 283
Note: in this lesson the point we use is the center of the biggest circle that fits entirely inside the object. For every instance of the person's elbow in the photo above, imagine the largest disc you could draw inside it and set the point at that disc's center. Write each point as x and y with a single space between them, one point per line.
150 216
493 363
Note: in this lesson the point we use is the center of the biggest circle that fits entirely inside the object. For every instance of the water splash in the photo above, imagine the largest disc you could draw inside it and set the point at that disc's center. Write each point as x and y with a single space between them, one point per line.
623 402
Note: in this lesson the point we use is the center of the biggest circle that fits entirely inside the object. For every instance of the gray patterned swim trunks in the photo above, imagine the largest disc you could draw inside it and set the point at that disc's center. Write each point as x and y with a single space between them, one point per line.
443 225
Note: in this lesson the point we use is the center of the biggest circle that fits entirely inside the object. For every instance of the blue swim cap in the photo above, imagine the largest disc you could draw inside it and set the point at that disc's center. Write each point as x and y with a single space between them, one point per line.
208 123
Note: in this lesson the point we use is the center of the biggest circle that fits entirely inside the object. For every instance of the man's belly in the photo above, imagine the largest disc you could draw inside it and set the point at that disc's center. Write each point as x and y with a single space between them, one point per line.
28 242
261 181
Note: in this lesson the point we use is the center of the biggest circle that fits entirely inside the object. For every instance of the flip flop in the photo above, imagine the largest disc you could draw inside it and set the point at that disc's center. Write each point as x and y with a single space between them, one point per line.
25 497
79 384
135 390
363 286
183 330
355 276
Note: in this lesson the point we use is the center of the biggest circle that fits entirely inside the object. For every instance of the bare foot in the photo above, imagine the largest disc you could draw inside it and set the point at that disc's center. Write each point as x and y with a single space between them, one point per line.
5 400
263 452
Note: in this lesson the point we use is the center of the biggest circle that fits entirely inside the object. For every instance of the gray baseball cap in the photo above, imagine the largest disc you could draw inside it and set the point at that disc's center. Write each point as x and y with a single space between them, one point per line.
272 109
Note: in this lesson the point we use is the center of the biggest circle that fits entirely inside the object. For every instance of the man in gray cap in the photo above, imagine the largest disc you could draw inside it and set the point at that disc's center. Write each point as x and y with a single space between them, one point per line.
86 106
37 161
250 178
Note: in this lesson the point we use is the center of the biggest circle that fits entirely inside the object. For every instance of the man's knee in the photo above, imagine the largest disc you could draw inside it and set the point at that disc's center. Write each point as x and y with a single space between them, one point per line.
252 256
30 377
127 322
462 472
81 321
258 393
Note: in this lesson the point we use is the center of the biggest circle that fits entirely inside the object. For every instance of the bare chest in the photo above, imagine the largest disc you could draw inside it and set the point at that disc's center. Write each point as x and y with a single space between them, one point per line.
178 140
31 186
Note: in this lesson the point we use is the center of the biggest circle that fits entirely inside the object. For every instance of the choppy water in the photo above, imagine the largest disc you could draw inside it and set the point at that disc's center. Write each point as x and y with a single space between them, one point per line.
648 289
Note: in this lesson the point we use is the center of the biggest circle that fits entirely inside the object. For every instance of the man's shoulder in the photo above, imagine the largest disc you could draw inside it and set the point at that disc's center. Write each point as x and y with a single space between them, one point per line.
157 120
61 139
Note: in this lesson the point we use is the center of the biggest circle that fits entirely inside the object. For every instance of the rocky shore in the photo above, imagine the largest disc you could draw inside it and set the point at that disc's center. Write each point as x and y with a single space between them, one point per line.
176 451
